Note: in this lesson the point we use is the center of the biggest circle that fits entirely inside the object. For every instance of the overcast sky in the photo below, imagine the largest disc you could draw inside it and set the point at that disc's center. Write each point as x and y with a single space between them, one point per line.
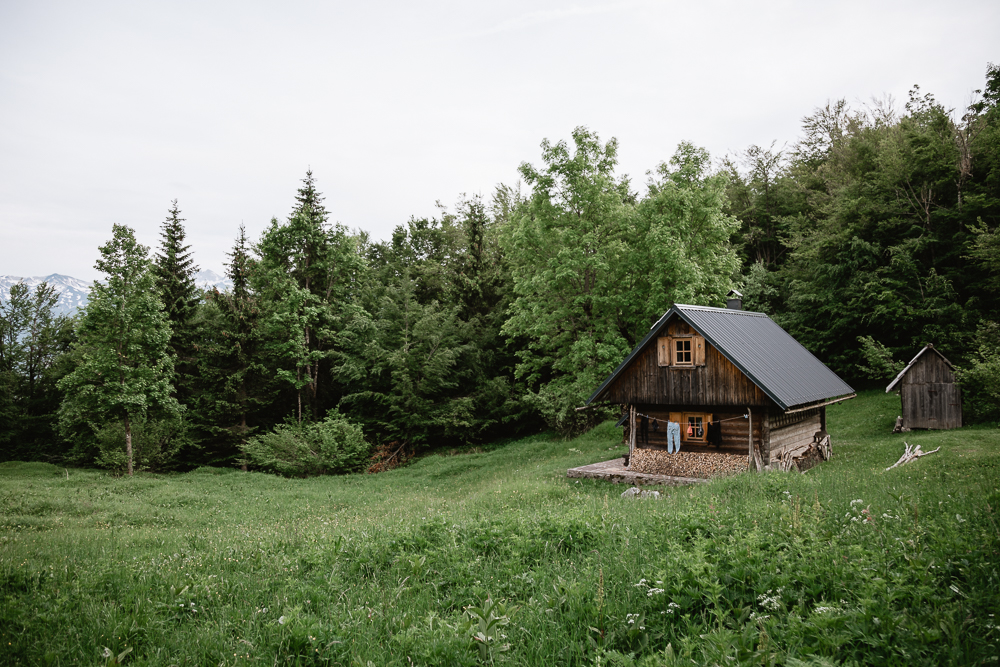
108 111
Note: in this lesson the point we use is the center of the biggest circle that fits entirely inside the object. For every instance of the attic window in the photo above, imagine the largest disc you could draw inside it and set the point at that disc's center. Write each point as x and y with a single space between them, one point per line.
682 352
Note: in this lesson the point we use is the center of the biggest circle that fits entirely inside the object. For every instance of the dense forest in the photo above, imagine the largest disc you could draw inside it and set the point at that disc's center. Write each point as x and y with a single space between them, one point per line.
875 232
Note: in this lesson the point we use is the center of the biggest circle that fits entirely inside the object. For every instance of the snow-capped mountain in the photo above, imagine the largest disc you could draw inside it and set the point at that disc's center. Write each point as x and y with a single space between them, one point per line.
73 293
208 279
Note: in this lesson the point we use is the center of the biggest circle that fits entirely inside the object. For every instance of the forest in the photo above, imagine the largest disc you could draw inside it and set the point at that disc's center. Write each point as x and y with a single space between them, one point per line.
874 232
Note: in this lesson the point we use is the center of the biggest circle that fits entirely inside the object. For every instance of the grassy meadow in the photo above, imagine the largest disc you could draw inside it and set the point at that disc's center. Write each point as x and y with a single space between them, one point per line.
493 556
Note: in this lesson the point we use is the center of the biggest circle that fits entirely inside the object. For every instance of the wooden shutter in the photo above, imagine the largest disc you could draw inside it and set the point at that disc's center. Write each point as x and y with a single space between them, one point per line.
699 350
664 347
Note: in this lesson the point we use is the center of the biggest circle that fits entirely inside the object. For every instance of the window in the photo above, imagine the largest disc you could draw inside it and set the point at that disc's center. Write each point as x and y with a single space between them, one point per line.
682 352
694 427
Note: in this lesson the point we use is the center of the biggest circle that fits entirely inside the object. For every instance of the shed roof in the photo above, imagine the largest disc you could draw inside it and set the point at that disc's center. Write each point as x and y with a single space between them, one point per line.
777 363
906 370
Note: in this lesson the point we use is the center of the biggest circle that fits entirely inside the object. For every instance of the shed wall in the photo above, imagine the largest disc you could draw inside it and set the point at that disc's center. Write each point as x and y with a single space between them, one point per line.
929 395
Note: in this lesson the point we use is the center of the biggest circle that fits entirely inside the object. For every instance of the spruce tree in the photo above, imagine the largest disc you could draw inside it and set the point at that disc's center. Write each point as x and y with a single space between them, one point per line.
125 367
174 270
236 381
306 274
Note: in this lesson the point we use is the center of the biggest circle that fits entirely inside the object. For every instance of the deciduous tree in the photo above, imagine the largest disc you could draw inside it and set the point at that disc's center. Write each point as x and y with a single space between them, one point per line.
125 369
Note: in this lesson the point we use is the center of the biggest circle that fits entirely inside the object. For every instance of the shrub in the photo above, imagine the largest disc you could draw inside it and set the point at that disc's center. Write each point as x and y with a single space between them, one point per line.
154 443
332 446
981 380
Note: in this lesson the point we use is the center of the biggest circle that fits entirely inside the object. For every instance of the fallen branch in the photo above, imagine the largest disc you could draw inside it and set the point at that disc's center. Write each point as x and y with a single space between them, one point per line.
910 454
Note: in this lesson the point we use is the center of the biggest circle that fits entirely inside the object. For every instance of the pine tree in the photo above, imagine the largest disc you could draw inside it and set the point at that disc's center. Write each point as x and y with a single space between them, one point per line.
174 270
125 367
231 368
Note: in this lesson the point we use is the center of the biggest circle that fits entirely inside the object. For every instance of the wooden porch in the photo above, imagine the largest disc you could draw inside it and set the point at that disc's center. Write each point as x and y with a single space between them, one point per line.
616 472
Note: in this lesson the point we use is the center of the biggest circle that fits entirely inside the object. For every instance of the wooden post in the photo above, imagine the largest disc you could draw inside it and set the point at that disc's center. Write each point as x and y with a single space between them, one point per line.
631 443
754 456
765 438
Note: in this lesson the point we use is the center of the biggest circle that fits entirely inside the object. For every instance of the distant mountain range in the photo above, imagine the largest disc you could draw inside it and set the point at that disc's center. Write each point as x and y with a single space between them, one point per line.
74 293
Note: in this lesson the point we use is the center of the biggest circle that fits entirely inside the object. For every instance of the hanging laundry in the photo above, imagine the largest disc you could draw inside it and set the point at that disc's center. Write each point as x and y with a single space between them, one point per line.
715 433
673 437
656 426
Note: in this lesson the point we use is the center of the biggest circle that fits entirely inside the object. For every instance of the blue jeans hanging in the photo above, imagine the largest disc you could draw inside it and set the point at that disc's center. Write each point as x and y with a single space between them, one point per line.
673 437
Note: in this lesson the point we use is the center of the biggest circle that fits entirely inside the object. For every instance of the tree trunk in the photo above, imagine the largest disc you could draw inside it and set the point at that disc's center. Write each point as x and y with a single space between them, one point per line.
128 444
243 438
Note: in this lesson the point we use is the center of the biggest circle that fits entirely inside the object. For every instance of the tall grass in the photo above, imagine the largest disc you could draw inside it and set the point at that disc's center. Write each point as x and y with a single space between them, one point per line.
496 557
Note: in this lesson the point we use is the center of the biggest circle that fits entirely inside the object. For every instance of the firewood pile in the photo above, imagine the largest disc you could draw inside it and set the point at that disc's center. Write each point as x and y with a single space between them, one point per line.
686 464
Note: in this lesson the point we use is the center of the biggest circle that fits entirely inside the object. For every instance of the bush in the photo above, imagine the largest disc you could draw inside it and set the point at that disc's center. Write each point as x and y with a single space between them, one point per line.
981 380
154 444
332 446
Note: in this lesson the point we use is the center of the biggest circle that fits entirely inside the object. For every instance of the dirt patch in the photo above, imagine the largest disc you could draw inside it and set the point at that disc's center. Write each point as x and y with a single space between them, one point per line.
686 464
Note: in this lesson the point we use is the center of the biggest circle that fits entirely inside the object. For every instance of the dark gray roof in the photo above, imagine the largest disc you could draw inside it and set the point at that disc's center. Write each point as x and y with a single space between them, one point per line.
913 361
777 363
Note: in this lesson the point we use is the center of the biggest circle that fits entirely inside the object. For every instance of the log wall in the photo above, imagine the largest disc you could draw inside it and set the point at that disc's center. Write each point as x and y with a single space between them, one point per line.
734 432
793 434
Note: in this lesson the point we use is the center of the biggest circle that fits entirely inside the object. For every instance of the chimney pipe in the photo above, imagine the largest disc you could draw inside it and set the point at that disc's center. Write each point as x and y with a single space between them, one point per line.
734 300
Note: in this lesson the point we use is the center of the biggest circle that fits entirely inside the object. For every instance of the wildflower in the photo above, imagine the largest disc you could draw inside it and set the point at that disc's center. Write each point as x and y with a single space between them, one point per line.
653 591
768 601
281 620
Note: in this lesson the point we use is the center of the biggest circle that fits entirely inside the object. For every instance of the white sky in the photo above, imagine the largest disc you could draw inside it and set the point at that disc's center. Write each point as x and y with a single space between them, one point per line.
108 110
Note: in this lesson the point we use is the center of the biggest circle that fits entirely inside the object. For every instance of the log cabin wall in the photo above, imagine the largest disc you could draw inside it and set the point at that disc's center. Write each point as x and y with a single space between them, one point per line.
734 431
929 395
717 382
791 431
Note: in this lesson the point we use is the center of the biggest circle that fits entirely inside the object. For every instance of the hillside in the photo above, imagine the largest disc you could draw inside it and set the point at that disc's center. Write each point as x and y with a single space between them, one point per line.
848 564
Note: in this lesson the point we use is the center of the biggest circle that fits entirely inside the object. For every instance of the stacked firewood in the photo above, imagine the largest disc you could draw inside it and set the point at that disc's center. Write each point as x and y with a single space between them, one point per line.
686 464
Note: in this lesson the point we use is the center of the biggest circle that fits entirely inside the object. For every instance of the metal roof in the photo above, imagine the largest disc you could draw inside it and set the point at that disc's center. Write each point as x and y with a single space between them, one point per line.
913 361
777 363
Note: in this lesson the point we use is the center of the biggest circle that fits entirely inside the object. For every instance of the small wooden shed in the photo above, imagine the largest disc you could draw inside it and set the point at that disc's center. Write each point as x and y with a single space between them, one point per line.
928 392
733 369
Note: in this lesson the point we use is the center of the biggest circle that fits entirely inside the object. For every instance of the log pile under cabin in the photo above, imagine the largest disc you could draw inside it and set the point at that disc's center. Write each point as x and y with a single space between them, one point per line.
727 368
686 464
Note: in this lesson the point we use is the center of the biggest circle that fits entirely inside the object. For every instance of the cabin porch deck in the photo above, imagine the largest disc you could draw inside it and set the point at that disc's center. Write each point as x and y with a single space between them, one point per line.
616 472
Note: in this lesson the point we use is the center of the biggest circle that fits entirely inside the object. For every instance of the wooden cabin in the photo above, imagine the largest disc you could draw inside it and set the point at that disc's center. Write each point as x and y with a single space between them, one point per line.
738 369
928 392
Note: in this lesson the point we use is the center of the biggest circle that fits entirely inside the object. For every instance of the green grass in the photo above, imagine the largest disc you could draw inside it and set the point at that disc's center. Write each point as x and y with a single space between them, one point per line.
221 567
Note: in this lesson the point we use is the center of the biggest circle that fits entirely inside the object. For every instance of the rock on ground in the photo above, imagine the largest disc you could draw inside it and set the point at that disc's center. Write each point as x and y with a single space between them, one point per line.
635 492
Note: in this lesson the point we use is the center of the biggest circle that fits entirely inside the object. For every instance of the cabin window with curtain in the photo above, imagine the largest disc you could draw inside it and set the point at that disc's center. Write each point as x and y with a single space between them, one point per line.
694 425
